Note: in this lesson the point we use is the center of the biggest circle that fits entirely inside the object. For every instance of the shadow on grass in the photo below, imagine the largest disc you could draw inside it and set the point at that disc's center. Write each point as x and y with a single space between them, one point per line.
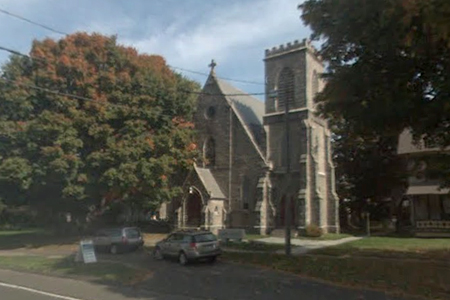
34 238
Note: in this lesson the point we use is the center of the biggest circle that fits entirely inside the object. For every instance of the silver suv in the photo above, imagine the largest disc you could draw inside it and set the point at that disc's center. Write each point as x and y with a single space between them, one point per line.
188 246
118 240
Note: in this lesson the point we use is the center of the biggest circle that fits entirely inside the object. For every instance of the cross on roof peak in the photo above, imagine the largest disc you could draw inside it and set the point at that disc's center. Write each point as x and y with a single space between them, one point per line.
212 65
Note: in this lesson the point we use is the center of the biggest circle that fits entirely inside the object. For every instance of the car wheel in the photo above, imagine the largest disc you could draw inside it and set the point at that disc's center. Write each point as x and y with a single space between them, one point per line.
114 249
212 259
157 254
182 259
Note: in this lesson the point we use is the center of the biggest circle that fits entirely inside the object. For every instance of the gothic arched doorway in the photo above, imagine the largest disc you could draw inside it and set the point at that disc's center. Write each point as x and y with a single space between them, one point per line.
194 207
282 212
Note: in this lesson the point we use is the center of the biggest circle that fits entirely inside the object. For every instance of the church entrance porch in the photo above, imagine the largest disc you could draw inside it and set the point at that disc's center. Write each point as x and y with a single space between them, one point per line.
194 209
282 218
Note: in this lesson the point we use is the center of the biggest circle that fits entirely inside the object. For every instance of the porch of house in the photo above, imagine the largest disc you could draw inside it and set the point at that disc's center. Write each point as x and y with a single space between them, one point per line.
431 213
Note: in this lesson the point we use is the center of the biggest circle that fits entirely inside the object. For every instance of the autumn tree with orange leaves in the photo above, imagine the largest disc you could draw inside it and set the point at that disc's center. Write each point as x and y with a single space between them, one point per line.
131 144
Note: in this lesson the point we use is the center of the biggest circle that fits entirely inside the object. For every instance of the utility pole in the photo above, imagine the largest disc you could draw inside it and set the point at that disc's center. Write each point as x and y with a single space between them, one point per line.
287 199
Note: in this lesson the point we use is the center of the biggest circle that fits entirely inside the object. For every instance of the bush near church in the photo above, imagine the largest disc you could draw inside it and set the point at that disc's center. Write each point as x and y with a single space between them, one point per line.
313 231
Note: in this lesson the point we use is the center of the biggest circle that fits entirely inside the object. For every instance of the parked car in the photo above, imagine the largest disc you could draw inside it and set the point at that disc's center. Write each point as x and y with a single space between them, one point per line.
188 246
118 240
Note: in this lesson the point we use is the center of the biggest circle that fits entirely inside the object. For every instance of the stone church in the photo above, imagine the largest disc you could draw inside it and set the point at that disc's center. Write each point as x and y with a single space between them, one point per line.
243 180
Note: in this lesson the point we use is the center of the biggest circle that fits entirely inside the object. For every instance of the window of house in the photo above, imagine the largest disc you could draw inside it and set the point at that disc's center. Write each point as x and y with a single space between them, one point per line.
209 152
285 89
435 207
421 207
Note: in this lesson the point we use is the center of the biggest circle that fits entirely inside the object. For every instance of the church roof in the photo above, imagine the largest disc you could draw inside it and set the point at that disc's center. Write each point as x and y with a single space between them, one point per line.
250 108
250 111
209 182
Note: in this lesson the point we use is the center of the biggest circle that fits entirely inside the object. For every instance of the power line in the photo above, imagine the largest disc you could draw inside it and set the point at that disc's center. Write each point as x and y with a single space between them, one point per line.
225 78
32 22
15 52
174 67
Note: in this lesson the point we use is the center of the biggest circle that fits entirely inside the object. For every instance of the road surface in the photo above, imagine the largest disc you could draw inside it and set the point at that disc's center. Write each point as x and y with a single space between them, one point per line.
170 281
24 286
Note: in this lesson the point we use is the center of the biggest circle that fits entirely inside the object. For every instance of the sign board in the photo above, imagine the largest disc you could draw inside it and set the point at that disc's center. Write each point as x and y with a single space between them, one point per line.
231 234
87 251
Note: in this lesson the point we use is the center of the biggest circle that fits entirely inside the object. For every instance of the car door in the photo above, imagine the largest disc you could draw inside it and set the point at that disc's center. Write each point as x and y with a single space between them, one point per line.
167 244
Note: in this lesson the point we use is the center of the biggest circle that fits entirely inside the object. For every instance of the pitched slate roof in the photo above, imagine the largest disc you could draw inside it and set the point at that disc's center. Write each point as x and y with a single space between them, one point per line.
209 182
250 112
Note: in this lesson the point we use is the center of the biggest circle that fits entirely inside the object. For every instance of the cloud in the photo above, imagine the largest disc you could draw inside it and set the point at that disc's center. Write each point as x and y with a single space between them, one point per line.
187 33
225 33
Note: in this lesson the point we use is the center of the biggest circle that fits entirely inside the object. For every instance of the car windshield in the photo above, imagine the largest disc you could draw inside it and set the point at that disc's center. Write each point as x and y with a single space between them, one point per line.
114 232
207 237
132 233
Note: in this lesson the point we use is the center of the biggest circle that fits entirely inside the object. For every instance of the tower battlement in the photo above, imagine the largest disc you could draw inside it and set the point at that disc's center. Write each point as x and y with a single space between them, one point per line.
296 45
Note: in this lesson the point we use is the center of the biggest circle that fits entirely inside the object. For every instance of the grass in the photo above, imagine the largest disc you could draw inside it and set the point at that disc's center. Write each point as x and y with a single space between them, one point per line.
32 238
389 247
397 276
111 272
403 265
325 237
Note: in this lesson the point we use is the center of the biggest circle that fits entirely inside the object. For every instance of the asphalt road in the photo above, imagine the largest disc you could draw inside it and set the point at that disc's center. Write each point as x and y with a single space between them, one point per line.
170 281
224 281
23 286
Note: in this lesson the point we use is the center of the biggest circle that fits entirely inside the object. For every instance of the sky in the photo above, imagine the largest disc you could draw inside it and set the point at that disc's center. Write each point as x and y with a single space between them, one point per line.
187 33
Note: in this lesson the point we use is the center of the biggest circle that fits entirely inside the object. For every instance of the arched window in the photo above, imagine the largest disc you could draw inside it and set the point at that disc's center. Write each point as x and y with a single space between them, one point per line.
209 152
285 89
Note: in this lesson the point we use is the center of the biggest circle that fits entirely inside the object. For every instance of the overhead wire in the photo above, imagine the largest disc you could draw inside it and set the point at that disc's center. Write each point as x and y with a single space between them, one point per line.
32 22
173 67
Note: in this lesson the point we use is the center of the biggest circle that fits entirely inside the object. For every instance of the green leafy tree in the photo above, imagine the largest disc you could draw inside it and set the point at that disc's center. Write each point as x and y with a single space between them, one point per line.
388 69
388 64
132 143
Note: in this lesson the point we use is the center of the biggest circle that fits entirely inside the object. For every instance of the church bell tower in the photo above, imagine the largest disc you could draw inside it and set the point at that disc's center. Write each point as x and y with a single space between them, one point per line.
292 73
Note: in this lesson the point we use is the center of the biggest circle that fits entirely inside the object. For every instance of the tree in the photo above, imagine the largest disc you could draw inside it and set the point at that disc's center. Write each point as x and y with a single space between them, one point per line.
388 69
368 171
127 135
388 64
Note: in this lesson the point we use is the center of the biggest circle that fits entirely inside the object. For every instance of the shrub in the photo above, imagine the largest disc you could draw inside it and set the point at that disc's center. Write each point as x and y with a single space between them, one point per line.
313 231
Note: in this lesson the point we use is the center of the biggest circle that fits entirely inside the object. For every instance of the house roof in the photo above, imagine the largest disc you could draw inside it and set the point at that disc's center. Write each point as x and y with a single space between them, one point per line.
209 182
250 112
406 145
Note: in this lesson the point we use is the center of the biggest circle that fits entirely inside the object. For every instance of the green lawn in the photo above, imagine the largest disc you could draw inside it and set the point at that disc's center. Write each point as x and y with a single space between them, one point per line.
390 247
418 278
32 238
325 237
66 266
401 265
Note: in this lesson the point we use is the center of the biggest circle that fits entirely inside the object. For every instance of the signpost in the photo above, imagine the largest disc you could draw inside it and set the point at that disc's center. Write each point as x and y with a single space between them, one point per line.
87 252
